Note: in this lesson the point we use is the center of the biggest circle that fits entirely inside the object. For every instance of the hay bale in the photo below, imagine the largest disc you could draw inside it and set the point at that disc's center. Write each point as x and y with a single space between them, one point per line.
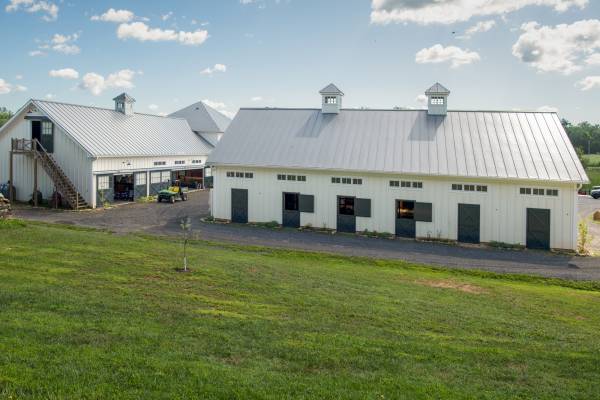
597 216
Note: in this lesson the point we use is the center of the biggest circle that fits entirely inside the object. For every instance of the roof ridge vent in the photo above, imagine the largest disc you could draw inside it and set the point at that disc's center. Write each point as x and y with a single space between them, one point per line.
331 97
437 99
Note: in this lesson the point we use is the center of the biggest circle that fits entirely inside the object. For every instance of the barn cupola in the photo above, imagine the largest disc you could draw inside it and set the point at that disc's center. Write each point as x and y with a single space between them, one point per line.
332 99
437 100
124 103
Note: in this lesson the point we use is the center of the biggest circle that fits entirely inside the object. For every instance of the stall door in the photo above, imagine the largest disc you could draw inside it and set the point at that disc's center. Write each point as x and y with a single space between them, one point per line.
405 219
538 229
346 218
291 210
468 223
239 206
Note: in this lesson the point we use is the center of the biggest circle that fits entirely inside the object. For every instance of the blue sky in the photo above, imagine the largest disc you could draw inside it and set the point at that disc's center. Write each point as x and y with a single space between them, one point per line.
503 54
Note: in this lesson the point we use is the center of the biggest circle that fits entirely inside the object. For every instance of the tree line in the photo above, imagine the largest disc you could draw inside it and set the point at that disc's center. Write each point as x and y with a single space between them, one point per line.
584 136
5 115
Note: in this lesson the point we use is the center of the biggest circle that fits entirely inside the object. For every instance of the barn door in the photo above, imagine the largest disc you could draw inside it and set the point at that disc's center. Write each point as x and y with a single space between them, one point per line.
291 210
405 219
538 229
346 217
239 206
468 223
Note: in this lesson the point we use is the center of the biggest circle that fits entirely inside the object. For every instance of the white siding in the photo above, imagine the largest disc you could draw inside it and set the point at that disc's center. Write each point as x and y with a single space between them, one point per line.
503 208
72 159
130 164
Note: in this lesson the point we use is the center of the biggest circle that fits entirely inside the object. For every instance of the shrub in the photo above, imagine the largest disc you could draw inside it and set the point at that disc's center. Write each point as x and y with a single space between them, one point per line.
583 238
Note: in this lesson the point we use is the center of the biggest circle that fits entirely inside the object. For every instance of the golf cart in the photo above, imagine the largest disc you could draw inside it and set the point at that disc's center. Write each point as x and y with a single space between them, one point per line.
173 193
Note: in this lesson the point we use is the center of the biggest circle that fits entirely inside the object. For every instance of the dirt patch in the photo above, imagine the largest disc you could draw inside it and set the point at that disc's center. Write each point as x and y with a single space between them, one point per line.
449 284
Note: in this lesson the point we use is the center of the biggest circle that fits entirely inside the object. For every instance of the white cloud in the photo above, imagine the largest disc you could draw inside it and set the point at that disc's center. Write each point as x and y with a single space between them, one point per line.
452 11
112 15
64 44
32 6
153 107
452 54
256 98
96 83
18 77
6 87
140 31
421 100
65 73
560 48
589 83
482 26
166 16
547 109
50 96
593 59
36 53
215 68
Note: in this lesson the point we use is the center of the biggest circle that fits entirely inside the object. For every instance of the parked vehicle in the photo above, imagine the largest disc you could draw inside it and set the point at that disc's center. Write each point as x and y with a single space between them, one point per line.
173 194
595 192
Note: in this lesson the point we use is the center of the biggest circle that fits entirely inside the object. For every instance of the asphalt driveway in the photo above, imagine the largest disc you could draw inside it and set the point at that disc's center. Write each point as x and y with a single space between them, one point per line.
164 218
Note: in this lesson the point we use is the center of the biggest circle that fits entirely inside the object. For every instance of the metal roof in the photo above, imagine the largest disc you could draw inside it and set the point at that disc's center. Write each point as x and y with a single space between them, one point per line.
331 89
480 144
437 88
108 133
203 118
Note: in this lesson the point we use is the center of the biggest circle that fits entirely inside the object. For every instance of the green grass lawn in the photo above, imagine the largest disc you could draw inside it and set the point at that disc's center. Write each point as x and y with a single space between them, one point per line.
592 159
594 175
92 315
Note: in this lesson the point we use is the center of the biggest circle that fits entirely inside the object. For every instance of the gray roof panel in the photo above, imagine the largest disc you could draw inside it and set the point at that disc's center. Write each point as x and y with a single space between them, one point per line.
487 144
203 118
108 133
331 89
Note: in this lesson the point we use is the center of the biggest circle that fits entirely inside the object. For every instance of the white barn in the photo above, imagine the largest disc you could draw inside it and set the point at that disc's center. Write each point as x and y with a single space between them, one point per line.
470 176
90 154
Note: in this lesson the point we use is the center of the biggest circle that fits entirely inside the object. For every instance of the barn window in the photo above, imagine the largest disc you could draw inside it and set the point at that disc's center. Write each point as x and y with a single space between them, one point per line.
302 178
394 183
140 179
456 186
417 185
103 182
230 174
552 192
469 188
239 174
165 176
281 177
335 179
180 162
405 184
538 192
196 161
291 177
347 181
481 188
249 175
437 101
357 181
155 177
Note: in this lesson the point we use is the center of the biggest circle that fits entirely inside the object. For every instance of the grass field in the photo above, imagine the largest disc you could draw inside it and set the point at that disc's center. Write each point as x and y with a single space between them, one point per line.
592 159
92 315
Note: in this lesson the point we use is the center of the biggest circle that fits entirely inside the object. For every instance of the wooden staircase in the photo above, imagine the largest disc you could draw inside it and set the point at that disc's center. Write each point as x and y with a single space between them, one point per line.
61 181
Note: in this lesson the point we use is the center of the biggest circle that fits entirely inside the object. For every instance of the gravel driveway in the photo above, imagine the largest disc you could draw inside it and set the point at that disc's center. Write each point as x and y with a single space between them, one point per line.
164 218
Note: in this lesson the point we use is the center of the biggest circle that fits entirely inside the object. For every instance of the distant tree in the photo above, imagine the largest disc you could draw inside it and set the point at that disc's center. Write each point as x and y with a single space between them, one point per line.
5 115
584 135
